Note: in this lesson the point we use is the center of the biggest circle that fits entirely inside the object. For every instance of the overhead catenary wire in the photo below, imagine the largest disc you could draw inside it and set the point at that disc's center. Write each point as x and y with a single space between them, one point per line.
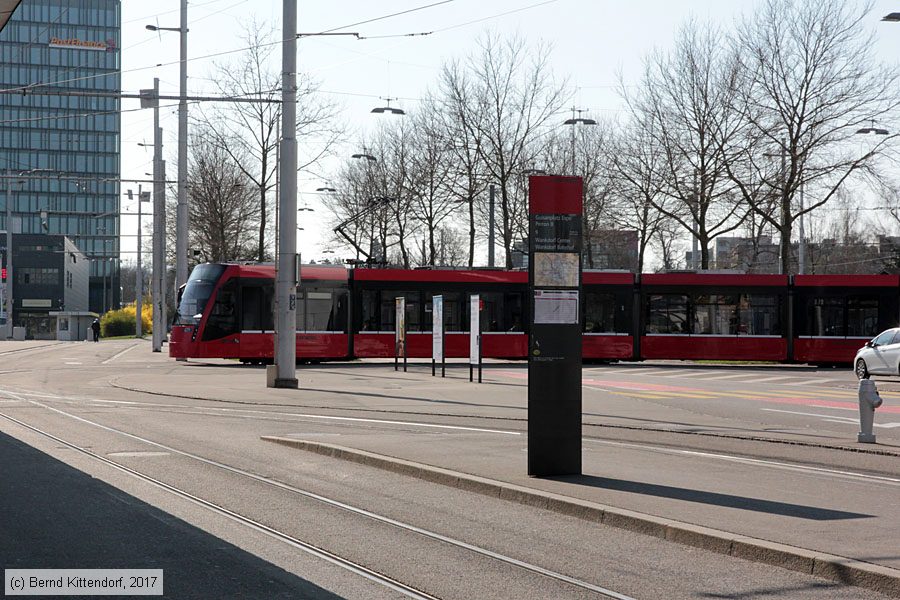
264 44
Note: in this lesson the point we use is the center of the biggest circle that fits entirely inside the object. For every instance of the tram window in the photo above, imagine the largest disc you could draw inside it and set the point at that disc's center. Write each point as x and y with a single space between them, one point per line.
667 313
251 306
370 311
453 317
256 307
502 312
339 311
321 309
388 310
715 314
492 311
759 315
599 313
222 318
512 312
314 310
862 316
825 316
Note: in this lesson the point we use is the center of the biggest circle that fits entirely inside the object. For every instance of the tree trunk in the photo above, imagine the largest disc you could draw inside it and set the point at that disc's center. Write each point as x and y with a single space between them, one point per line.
261 250
507 228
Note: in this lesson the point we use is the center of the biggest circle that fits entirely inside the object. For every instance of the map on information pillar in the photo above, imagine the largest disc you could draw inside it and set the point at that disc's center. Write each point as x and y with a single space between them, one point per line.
555 269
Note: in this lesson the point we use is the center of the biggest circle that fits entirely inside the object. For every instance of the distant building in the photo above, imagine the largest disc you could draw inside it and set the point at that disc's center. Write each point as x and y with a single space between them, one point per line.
747 255
59 148
50 274
611 249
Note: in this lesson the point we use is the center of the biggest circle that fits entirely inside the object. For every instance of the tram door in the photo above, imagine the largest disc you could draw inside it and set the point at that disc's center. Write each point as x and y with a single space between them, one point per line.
221 333
257 320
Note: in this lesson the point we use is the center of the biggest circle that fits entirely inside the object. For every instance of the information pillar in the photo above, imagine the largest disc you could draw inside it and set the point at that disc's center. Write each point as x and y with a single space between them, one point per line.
554 349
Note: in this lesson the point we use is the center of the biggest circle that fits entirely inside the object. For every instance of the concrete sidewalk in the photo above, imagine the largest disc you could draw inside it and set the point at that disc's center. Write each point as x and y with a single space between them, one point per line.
822 520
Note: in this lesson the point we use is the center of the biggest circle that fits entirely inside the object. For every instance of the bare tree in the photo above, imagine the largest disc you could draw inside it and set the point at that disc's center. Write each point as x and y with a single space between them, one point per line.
809 82
463 139
686 99
638 170
513 96
250 130
224 211
428 176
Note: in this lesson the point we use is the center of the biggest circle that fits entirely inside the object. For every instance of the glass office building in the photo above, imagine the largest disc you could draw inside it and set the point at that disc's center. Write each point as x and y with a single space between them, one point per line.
59 139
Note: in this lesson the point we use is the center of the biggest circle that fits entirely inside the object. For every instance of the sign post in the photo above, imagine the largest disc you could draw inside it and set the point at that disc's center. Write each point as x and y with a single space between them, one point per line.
475 335
554 349
437 334
400 332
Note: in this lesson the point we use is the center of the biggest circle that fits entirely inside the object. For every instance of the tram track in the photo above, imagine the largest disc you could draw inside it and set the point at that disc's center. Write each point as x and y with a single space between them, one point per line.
689 452
284 537
697 450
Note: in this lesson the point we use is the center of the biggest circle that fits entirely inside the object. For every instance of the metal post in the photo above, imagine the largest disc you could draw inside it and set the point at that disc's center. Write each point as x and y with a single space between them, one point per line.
801 254
181 218
695 242
105 263
139 275
164 271
491 227
9 260
783 215
574 125
159 226
286 276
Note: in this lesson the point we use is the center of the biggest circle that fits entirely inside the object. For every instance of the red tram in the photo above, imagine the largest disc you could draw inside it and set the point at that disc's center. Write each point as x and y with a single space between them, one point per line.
225 311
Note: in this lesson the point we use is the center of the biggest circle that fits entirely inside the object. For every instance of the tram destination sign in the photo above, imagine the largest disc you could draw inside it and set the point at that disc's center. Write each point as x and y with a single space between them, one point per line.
556 233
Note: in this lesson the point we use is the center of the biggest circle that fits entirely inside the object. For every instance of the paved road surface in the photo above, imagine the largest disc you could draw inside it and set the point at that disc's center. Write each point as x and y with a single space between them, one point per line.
203 494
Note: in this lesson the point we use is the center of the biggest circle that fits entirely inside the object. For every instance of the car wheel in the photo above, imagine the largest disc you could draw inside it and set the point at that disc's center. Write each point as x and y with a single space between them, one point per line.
862 372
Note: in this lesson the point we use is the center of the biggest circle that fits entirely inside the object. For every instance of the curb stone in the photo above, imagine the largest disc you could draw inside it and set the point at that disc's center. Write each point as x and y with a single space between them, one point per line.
840 569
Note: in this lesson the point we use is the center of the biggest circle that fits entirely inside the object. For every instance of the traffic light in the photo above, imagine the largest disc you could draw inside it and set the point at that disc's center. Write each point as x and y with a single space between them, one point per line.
3 274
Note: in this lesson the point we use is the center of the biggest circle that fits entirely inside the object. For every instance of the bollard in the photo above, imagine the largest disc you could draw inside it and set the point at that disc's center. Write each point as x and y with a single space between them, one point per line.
869 400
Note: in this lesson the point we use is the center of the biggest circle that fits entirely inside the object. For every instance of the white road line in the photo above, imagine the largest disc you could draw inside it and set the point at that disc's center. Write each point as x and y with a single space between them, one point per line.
832 418
688 374
115 356
733 376
756 461
809 382
768 379
283 414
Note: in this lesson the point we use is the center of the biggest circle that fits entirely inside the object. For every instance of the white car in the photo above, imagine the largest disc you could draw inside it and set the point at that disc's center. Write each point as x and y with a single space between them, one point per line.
880 356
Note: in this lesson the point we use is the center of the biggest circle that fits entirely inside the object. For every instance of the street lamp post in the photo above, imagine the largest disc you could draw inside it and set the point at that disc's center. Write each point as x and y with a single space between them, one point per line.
574 121
181 214
139 274
150 99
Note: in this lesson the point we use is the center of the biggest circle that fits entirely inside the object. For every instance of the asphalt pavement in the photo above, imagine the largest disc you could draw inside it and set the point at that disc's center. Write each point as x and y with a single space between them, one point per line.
810 497
759 463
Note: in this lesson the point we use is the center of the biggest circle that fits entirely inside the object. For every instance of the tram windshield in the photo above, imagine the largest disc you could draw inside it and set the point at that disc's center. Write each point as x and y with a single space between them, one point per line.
197 291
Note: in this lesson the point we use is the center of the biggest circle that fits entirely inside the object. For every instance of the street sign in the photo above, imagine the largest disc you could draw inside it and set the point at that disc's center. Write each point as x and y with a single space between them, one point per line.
475 306
437 333
554 348
400 331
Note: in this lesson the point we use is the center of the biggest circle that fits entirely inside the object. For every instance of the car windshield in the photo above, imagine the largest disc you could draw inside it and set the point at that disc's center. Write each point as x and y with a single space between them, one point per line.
196 293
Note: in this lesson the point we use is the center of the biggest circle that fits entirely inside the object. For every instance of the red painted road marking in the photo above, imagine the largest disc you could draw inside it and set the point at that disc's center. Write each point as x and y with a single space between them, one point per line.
652 387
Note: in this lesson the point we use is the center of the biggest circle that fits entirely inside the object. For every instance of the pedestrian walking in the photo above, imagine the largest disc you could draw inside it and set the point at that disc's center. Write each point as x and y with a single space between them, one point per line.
95 327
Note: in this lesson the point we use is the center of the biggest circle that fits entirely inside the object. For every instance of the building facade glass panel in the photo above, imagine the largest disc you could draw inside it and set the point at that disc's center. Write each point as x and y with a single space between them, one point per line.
69 45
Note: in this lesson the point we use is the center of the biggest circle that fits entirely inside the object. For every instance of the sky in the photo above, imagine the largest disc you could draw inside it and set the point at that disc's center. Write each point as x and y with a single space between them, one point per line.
595 42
